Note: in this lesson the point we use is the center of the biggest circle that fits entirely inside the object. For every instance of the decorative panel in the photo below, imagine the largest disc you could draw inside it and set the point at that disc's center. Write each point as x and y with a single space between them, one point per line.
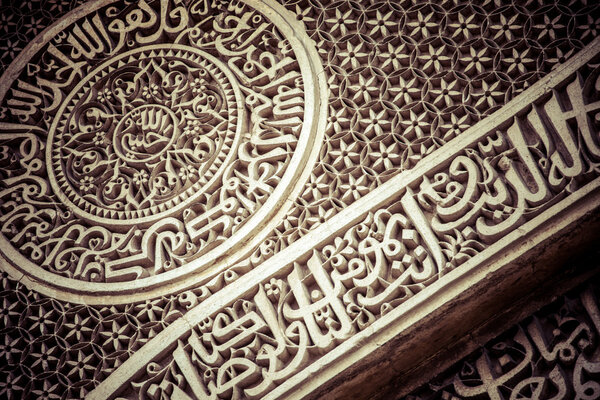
209 199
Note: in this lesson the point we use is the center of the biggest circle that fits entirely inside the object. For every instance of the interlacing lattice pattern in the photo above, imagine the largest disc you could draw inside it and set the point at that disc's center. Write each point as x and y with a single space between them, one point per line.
50 349
406 77
550 355
187 89
484 199
22 21
403 78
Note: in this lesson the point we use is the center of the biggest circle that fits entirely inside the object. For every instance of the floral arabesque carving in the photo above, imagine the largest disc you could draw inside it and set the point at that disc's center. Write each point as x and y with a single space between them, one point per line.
425 73
328 208
499 182
475 32
145 135
149 142
386 112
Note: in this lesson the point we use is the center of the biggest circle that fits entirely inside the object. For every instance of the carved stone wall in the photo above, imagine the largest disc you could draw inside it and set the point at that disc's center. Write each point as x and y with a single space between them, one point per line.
248 199
159 149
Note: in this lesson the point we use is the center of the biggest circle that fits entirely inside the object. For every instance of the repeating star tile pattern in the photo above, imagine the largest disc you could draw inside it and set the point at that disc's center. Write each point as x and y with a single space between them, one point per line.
404 79
22 21
56 350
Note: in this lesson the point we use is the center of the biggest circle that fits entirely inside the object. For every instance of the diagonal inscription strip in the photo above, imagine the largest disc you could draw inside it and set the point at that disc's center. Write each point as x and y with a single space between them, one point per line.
524 167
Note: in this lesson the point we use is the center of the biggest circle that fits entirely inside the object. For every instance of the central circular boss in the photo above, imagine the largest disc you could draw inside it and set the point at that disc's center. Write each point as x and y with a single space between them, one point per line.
145 134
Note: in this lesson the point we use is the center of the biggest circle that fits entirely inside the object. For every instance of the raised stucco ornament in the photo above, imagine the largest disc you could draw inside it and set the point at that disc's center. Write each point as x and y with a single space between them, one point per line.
156 144
248 199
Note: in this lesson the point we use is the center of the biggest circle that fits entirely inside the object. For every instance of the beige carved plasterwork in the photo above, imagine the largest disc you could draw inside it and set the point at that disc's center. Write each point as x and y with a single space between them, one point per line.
145 132
406 77
147 141
501 181
549 355
370 260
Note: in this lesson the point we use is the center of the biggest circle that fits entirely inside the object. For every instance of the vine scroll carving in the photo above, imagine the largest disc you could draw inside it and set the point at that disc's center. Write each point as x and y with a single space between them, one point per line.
143 142
153 152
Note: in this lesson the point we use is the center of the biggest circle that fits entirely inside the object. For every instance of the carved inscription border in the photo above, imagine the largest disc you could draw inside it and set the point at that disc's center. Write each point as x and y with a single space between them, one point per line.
153 145
264 334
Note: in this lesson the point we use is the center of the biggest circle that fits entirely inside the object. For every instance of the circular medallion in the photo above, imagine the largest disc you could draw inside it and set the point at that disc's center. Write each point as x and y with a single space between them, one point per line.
148 147
144 134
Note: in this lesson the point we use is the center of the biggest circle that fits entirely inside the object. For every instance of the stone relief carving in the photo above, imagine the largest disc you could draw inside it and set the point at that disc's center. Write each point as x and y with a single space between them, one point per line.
400 86
507 176
548 355
405 78
142 140
498 31
55 349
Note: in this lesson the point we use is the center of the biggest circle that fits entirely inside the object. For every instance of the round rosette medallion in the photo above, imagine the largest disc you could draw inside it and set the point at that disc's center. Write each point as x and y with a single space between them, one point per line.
145 134
148 147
